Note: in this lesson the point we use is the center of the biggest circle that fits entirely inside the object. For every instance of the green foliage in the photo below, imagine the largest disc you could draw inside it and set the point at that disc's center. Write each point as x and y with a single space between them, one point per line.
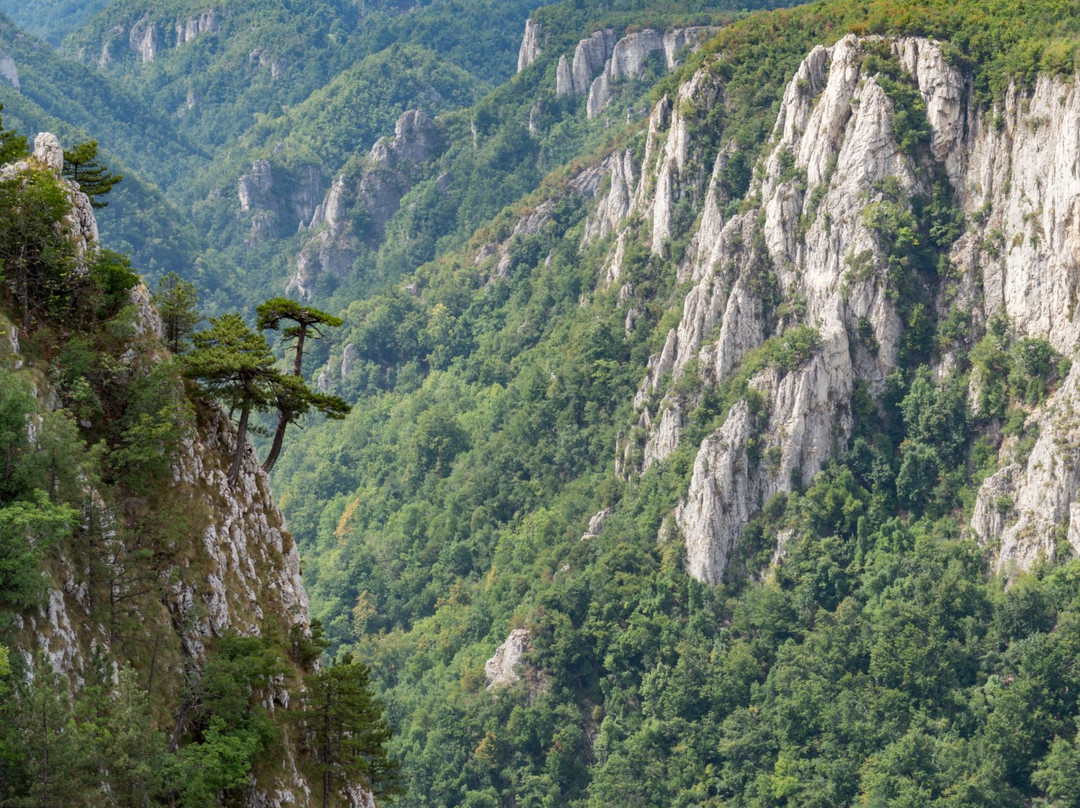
345 732
12 144
236 367
81 166
293 398
177 301
29 530
37 259
1011 372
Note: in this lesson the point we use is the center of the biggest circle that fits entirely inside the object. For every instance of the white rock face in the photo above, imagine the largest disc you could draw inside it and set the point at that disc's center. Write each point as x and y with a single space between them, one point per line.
564 78
504 668
590 56
254 187
245 543
49 152
602 60
1014 172
681 39
596 524
383 180
143 38
833 137
629 54
8 71
627 59
1028 507
530 45
614 207
79 224
192 28
599 95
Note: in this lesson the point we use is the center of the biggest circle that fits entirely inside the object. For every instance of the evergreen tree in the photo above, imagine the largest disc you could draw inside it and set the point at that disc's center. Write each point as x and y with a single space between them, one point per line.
346 733
307 321
294 398
236 366
177 302
36 255
12 144
81 165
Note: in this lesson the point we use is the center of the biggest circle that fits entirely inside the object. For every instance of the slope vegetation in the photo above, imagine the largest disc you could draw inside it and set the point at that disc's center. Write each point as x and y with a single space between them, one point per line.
727 438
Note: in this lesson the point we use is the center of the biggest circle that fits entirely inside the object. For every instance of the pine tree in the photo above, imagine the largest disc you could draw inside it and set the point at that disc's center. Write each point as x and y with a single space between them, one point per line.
177 302
308 320
81 165
294 398
235 366
346 732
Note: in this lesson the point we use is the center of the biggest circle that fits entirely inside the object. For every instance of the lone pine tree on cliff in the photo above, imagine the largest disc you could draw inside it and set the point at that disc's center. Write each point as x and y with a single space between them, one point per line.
294 398
236 366
95 180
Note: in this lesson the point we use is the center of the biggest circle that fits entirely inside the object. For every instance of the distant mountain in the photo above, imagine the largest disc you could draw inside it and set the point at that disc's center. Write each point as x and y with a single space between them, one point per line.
51 20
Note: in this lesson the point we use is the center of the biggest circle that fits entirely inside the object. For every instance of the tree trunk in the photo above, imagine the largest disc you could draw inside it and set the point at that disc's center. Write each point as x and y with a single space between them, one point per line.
275 447
299 360
241 445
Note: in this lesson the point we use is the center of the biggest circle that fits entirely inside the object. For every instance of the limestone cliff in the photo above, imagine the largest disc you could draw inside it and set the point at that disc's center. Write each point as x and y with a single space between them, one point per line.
530 45
806 239
277 201
602 60
232 566
362 200
146 36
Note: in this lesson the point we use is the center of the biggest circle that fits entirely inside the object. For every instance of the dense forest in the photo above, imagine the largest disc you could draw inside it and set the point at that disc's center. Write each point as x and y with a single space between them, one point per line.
473 427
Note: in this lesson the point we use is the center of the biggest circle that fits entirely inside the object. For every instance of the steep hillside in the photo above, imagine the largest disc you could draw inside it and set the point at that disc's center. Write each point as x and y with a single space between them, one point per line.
156 646
695 477
51 19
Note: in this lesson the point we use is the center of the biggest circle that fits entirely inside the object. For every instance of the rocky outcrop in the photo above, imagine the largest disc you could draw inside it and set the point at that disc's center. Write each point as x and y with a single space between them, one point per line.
190 29
253 564
615 205
254 188
611 61
530 45
833 137
80 225
602 60
273 211
1011 169
1021 258
590 57
358 206
564 77
143 39
147 36
8 71
505 666
236 569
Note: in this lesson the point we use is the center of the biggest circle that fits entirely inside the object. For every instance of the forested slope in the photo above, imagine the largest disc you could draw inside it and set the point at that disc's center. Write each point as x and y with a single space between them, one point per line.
729 437
714 435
